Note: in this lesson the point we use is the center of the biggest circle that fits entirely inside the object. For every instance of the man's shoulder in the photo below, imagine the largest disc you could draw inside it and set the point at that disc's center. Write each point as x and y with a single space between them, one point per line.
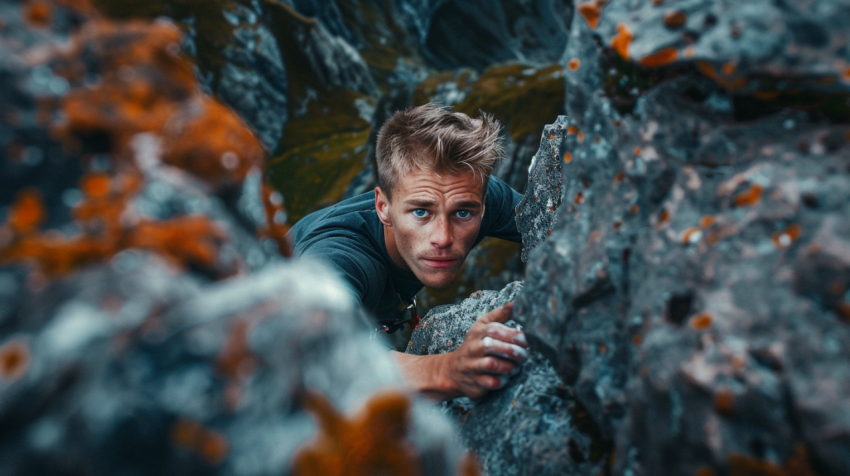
352 219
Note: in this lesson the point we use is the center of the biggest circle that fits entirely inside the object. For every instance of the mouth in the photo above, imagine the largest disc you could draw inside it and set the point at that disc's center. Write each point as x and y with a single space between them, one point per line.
440 262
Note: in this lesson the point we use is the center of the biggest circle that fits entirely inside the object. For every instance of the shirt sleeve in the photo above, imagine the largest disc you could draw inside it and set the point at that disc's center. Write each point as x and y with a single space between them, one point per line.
499 214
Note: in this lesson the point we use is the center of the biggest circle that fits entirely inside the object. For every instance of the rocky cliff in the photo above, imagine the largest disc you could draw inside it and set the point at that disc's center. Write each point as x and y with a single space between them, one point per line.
685 232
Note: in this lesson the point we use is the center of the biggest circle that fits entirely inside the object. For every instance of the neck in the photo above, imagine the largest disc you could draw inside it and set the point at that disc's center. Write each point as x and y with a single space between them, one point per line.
392 248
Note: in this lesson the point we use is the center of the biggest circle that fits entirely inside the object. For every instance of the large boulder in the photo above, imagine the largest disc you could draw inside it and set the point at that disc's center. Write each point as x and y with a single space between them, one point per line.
693 289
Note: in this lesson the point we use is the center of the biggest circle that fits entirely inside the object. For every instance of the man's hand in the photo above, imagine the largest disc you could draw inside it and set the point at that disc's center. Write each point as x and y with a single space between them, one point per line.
490 354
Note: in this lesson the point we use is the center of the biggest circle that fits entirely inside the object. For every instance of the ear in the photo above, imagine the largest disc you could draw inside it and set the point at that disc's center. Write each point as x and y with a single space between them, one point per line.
382 206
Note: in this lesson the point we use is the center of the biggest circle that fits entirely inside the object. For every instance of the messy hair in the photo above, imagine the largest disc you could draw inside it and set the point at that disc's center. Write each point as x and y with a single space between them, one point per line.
432 137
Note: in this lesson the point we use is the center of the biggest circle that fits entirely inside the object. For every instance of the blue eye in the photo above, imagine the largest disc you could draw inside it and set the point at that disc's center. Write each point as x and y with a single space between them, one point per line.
420 213
463 213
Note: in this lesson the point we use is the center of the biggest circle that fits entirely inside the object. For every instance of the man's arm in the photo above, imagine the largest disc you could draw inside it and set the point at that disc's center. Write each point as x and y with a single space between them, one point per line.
490 354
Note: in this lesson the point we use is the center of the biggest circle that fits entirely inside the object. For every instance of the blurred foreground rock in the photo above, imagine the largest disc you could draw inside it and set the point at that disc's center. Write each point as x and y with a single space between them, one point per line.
148 324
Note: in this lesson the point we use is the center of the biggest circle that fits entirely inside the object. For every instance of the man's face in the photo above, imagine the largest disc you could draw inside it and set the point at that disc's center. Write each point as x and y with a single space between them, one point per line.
432 221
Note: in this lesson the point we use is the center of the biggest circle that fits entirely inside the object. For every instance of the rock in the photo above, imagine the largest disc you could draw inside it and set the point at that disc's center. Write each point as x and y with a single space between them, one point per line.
677 296
148 324
531 426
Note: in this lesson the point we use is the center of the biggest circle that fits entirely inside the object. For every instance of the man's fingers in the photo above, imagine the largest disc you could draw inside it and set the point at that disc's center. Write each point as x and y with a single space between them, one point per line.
496 366
502 349
505 334
500 314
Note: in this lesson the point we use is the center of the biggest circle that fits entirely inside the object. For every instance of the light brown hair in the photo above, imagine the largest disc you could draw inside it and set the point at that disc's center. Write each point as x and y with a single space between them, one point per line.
432 137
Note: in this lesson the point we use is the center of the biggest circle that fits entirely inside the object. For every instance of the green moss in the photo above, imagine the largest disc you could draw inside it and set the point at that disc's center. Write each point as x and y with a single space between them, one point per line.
321 152
523 98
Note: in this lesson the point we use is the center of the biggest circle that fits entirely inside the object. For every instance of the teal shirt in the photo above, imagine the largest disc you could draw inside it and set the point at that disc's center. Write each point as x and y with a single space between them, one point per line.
350 237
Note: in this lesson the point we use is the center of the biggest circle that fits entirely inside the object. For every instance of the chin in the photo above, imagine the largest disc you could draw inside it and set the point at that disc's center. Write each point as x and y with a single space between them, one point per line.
440 281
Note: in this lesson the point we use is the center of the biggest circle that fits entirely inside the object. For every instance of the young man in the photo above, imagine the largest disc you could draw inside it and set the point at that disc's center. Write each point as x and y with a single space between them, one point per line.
434 201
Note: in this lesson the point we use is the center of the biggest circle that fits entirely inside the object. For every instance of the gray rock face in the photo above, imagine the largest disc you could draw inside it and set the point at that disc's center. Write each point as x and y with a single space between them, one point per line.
455 34
534 425
684 296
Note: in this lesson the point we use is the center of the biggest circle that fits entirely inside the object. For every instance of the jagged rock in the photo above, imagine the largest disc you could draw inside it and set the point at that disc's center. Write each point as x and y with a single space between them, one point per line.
455 34
677 297
535 213
531 426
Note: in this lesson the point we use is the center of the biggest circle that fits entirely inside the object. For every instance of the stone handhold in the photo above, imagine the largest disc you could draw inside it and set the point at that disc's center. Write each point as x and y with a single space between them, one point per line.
536 212
533 411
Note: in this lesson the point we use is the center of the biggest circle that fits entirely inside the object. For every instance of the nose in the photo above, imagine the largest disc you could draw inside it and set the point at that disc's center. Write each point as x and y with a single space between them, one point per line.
441 233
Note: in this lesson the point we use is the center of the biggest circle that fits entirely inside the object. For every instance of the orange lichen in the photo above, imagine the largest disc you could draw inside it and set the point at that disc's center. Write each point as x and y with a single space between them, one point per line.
634 208
594 237
236 361
707 221
616 225
637 339
574 64
657 2
603 349
797 464
38 13
14 359
748 197
619 177
572 130
784 239
663 218
689 52
701 321
622 40
592 12
724 402
661 57
580 136
709 71
373 442
691 235
846 75
568 157
579 198
27 212
193 436
469 465
636 151
675 19
144 86
729 68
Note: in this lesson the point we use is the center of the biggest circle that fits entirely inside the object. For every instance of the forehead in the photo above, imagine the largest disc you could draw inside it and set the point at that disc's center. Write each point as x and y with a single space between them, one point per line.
420 184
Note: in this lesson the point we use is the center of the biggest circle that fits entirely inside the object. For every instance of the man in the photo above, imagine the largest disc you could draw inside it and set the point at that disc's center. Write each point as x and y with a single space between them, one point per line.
434 201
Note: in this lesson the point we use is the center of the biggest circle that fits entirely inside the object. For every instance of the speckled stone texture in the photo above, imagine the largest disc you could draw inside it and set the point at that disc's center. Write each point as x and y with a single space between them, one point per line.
693 291
535 213
533 425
